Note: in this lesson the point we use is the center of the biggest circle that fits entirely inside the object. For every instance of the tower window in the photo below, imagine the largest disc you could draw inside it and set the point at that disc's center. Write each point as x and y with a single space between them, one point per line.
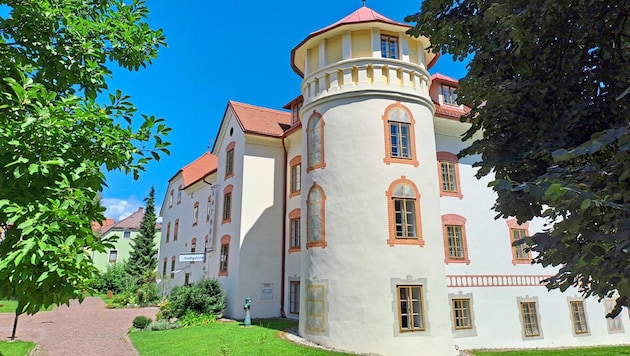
389 47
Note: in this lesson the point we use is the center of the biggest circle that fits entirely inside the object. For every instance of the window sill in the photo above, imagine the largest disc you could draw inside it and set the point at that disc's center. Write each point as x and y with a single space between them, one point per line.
453 260
295 249
322 244
399 241
411 161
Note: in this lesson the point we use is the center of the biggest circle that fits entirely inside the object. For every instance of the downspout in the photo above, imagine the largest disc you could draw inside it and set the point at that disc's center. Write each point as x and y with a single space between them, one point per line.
284 228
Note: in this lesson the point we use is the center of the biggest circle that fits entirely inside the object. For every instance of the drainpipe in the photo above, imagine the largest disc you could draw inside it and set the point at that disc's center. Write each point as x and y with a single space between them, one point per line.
284 228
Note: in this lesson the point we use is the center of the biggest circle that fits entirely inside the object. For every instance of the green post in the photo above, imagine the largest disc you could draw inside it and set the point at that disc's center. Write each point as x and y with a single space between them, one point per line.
248 319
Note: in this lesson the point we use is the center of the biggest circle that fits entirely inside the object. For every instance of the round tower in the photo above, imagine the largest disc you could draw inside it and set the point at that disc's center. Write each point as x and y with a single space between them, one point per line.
373 276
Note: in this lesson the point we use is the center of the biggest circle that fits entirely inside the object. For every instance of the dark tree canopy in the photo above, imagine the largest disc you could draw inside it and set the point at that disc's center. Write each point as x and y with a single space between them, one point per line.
548 87
143 255
57 139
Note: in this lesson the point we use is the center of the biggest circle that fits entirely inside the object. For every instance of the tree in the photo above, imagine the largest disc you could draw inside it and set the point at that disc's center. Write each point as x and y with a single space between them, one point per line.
143 255
60 131
548 87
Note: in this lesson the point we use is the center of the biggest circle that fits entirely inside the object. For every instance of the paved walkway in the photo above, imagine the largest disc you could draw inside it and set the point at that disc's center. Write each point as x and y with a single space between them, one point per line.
86 329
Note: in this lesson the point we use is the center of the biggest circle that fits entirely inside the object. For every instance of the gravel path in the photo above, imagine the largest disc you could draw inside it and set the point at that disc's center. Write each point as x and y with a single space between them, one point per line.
86 329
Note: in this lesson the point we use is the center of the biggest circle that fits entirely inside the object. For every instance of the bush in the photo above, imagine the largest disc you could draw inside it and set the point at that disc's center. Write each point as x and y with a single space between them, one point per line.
141 322
111 279
205 297
192 319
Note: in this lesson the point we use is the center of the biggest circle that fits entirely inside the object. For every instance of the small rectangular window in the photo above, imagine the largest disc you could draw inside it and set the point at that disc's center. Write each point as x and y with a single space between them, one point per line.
405 218
187 278
127 234
578 317
113 256
389 47
195 214
529 317
223 263
229 163
294 297
227 206
615 324
399 139
295 178
519 250
164 268
295 233
410 308
462 314
455 242
449 179
449 97
173 268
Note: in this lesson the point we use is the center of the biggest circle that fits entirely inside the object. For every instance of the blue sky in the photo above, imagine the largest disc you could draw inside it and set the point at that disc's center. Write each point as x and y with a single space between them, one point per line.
219 51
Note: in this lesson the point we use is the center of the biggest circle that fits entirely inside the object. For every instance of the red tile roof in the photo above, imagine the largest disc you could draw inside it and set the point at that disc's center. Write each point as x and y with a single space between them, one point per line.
199 168
443 78
132 222
363 14
447 111
259 120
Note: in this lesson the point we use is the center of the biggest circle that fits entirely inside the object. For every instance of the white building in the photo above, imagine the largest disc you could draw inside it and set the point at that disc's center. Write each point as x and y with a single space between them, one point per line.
352 213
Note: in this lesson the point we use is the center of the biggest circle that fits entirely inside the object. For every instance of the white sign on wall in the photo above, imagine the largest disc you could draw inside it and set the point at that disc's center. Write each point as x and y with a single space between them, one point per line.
266 291
192 257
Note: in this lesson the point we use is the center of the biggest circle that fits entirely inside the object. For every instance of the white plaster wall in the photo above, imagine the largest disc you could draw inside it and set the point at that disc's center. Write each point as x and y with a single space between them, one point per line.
358 266
184 212
496 311
229 282
261 229
293 259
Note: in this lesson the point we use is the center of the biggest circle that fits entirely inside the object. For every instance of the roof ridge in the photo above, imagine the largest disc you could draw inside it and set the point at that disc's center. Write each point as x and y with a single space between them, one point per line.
258 107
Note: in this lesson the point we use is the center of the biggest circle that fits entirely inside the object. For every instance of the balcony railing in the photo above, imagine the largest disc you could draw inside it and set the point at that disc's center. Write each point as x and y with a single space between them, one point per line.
365 74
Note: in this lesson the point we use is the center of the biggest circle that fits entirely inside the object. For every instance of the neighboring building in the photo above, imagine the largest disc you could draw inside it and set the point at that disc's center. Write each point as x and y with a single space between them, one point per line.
125 231
352 212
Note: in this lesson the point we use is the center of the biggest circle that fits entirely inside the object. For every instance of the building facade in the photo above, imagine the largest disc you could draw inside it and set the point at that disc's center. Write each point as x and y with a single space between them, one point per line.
351 212
124 232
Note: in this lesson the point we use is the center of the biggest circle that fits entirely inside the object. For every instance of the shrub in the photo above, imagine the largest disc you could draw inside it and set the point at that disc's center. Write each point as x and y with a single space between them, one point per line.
111 279
125 298
141 322
147 293
193 319
205 297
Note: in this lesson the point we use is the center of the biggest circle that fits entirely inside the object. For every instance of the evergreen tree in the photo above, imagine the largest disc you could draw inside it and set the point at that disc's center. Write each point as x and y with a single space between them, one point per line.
143 255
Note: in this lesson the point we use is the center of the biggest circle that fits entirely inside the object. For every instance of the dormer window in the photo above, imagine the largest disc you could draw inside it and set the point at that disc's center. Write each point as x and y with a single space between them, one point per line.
389 46
449 97
295 112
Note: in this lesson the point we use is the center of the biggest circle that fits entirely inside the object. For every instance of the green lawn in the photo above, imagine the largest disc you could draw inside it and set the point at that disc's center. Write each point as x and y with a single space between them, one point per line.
15 348
227 339
595 351
8 306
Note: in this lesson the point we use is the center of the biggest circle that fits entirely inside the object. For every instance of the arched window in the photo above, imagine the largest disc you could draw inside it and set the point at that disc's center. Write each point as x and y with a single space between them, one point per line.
168 231
449 175
179 194
400 141
455 245
316 222
315 142
404 213
193 245
170 198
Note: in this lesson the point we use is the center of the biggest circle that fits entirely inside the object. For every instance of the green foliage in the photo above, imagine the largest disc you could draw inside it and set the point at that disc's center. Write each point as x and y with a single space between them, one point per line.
114 278
58 134
16 348
193 319
141 322
548 87
205 297
143 254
